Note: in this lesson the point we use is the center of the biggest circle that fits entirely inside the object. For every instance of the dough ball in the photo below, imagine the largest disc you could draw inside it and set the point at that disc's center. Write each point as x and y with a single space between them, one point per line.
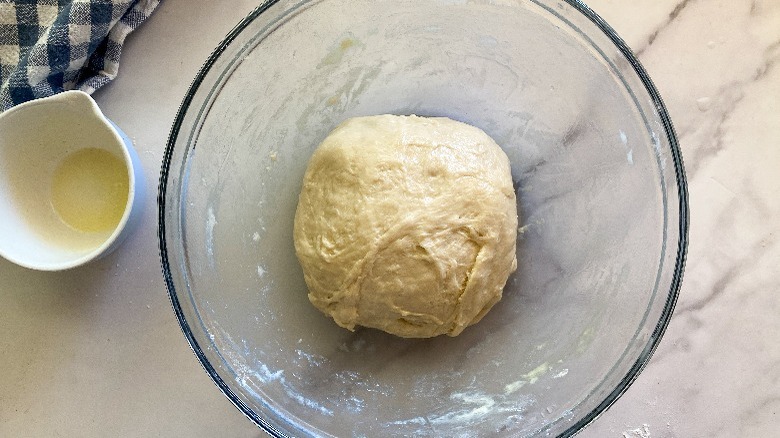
406 224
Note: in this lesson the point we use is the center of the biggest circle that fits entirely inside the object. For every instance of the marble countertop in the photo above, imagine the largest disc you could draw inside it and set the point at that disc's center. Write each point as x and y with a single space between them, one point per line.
96 351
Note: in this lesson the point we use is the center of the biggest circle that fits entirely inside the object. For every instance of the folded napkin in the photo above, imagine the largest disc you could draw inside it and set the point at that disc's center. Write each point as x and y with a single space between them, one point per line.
48 46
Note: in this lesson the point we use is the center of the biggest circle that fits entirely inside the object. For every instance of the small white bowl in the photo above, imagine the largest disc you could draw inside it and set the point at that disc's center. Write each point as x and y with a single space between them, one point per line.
71 184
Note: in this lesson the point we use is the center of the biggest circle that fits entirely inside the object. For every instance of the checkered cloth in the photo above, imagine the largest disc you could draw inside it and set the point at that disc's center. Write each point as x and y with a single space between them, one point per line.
48 46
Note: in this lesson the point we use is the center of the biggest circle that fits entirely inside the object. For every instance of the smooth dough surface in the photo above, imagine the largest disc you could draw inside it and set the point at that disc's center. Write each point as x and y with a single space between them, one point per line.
406 224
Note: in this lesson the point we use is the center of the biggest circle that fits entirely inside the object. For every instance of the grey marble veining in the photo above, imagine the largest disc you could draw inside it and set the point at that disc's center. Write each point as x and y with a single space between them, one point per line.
717 371
96 351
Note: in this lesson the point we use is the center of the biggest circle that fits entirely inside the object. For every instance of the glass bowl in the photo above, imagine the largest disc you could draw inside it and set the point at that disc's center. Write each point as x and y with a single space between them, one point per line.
601 196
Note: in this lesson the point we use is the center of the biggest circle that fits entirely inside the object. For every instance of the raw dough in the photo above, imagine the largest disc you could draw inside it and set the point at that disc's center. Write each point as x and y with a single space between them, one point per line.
406 224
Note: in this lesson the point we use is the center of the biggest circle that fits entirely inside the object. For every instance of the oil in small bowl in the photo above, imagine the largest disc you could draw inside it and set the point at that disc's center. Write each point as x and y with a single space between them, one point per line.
89 190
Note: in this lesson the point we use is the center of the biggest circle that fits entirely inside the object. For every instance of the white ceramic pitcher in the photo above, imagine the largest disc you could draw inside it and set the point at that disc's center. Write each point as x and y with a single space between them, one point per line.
70 183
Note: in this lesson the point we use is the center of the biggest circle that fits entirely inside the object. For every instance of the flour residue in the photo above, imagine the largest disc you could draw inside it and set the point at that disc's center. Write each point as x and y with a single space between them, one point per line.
478 405
514 386
211 221
305 379
629 151
467 409
530 378
257 377
311 359
537 372
658 152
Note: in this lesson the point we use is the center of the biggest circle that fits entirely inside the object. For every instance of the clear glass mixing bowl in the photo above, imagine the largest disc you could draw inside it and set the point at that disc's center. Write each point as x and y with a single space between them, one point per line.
602 201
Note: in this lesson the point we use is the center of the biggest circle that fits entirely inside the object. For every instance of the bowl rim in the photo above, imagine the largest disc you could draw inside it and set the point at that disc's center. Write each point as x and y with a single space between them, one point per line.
680 257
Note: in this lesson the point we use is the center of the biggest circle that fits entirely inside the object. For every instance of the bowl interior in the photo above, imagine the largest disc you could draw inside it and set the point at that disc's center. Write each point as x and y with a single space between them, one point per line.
598 179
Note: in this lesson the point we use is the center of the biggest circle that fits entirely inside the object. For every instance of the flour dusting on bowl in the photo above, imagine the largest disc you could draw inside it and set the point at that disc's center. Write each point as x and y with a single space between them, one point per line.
595 165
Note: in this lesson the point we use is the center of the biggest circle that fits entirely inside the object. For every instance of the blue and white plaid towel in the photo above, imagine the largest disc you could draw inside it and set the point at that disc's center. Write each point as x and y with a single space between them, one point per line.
48 46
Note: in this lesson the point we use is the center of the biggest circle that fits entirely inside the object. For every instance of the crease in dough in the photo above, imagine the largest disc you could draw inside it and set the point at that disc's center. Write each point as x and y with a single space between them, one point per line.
406 224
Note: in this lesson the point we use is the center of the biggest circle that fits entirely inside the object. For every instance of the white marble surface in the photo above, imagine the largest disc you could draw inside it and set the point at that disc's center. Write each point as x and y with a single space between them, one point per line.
97 352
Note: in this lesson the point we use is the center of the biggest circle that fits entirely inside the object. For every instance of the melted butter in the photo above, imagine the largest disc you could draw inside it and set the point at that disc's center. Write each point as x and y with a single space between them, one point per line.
89 190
